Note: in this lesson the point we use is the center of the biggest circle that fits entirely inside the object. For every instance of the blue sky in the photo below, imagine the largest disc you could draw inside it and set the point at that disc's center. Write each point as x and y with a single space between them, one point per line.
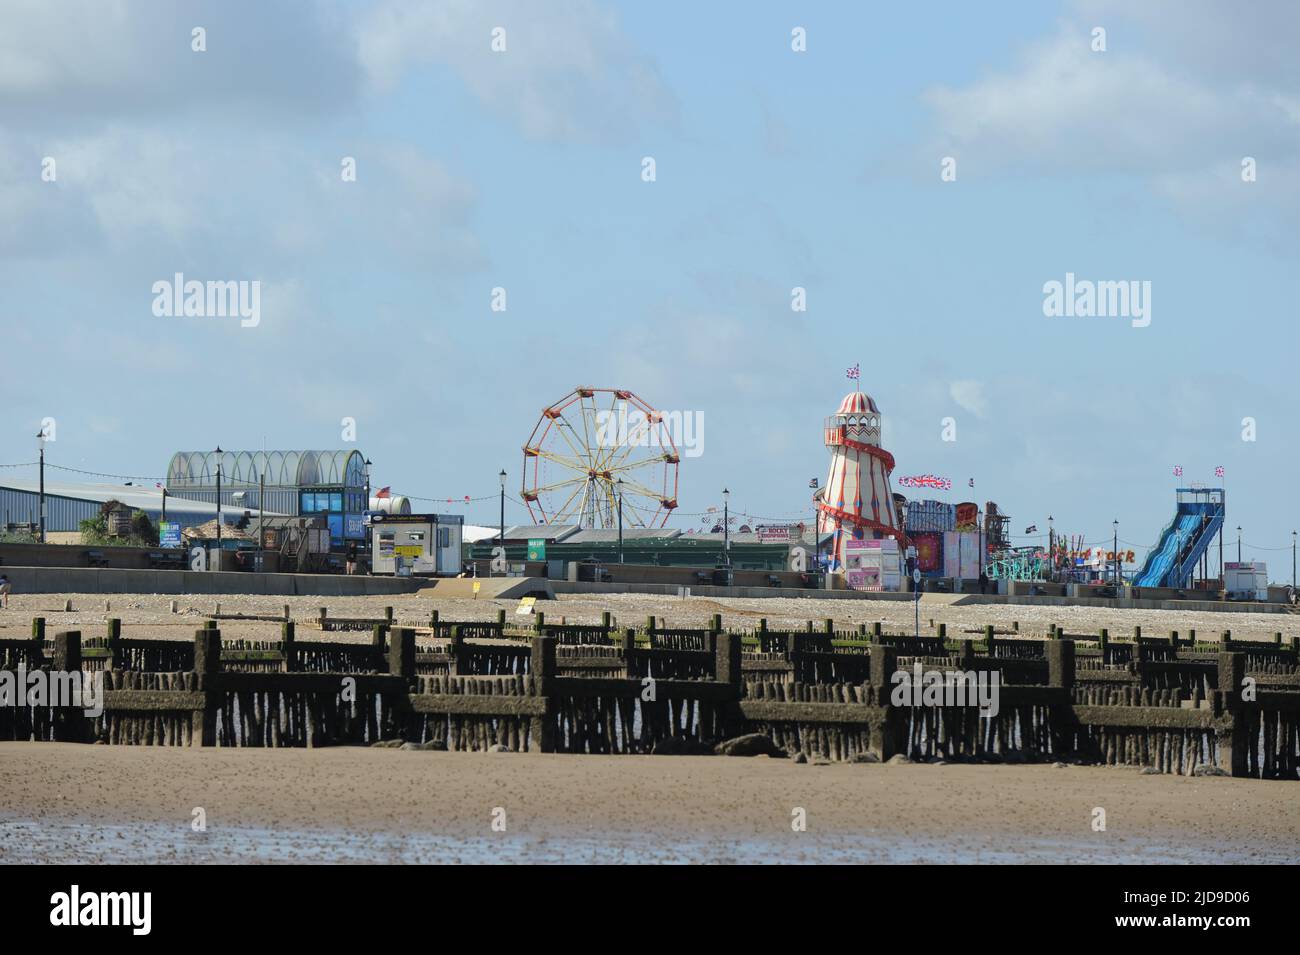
775 169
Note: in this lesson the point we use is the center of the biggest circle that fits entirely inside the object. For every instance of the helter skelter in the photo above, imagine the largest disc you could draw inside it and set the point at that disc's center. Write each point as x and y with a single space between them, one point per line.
856 501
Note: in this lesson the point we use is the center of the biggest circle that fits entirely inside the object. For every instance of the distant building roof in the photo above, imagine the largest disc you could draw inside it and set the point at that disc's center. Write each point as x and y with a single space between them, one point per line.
546 532
277 468
604 535
138 497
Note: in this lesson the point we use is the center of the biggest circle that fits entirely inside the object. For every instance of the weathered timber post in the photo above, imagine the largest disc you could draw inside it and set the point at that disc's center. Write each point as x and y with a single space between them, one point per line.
884 726
605 619
542 731
433 619
1060 677
501 618
943 631
539 624
876 630
1103 641
388 616
401 654
290 664
715 623
115 644
628 645
727 670
207 664
38 628
1230 734
456 650
829 626
966 656
69 721
988 638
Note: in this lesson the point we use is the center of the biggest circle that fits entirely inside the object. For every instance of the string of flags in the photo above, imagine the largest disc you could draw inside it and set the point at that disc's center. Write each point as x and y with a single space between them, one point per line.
926 480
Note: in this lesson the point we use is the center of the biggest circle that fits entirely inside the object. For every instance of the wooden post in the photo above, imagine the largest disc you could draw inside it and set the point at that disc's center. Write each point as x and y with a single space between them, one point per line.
539 625
401 654
884 662
38 628
829 625
715 624
388 616
727 660
605 619
1231 737
114 644
456 650
501 618
543 672
876 630
69 720
943 631
988 637
1060 664
207 664
290 650
1103 641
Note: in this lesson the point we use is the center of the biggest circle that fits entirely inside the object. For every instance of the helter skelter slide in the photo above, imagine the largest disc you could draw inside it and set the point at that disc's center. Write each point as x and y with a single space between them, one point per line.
1197 519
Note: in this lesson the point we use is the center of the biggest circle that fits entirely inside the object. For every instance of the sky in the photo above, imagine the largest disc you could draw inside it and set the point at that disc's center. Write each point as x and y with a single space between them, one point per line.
775 168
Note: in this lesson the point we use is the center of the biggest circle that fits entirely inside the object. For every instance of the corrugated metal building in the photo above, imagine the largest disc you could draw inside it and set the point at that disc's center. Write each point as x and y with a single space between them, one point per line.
68 504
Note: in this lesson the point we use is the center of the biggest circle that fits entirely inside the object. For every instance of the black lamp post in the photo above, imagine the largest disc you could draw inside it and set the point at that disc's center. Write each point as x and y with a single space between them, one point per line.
502 530
726 537
817 537
1115 545
1293 560
1239 543
218 453
40 444
619 484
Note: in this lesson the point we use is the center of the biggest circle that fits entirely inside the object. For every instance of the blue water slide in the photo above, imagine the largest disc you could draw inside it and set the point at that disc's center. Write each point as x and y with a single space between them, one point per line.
1160 561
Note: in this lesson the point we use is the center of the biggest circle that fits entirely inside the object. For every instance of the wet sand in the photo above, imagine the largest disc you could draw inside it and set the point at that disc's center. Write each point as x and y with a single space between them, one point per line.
63 802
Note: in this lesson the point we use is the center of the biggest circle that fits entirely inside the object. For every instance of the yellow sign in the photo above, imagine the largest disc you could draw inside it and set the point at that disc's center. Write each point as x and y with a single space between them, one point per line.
526 606
408 550
476 587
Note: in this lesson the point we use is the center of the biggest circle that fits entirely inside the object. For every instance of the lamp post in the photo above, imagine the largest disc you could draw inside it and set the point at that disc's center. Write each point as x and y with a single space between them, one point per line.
40 444
907 552
502 529
1115 546
1051 546
218 453
1239 543
817 537
726 537
619 484
1293 561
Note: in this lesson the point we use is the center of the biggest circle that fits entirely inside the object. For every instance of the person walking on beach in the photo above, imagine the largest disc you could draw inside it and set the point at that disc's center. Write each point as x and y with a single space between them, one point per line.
4 591
352 558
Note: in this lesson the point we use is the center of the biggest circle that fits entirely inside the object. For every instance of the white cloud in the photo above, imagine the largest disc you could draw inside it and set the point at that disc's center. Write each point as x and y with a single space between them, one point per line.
568 71
969 396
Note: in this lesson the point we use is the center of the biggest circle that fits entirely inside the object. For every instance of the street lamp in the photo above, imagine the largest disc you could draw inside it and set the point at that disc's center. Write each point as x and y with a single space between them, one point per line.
40 444
502 530
619 485
1239 543
218 453
726 538
1293 561
1115 546
907 553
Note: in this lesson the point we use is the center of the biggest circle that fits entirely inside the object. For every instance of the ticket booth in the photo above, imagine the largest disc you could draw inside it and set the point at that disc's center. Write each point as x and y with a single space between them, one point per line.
417 544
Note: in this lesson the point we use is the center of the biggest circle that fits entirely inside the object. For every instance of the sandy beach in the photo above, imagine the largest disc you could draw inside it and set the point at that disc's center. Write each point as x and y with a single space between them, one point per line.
149 615
102 804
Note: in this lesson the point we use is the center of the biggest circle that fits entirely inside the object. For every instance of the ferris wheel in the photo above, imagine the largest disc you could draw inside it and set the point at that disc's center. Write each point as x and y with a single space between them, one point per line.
593 446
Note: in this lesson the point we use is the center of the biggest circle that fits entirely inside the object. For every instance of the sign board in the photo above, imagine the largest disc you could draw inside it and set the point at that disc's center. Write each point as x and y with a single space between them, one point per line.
477 585
408 550
776 533
527 605
536 549
169 534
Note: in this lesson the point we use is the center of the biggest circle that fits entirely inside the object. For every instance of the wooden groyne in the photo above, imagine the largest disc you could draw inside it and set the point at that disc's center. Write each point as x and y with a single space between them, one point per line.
1177 705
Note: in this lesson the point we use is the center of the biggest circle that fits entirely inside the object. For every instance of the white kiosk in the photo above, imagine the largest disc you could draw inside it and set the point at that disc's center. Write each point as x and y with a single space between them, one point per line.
416 544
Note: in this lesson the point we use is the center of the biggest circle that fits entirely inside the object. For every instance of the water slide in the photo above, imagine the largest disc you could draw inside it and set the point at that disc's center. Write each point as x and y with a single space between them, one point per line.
1197 519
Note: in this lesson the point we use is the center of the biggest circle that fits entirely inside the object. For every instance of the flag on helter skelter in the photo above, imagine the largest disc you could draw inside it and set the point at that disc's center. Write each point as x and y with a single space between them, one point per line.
854 373
1218 472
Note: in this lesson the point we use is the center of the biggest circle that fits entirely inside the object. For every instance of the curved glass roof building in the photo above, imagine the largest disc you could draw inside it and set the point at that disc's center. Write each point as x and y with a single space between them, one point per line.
330 484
